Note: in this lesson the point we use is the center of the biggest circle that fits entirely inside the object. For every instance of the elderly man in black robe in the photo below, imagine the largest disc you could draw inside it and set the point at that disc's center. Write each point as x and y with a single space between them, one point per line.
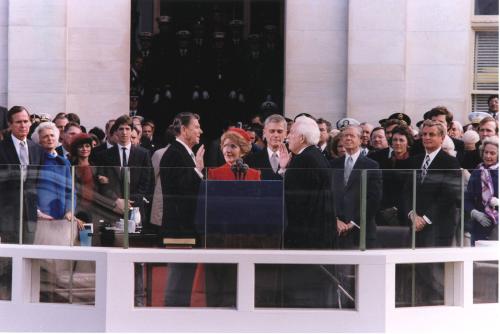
310 212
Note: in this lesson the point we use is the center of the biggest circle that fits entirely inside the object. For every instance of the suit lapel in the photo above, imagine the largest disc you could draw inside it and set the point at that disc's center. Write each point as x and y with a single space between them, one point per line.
355 171
115 161
132 157
11 151
265 159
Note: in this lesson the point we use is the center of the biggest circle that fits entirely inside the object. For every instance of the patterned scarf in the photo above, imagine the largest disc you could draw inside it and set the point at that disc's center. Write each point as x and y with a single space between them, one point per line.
487 191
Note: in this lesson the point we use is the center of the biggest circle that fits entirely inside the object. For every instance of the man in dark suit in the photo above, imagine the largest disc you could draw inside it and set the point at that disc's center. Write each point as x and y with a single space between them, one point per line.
310 211
113 163
347 185
434 218
438 186
324 134
18 154
267 161
121 155
181 175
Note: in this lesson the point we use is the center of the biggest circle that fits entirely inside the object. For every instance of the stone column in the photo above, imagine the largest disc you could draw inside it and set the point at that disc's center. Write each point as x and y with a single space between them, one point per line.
4 18
316 58
68 56
408 56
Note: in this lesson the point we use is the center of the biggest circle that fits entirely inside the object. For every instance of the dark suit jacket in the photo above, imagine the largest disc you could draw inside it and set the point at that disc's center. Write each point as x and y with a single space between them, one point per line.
309 201
395 175
4 124
141 174
180 186
260 160
471 158
437 198
96 153
381 157
348 198
10 186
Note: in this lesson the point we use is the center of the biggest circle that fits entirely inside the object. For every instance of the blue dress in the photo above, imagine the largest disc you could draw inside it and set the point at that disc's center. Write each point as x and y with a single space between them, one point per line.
54 186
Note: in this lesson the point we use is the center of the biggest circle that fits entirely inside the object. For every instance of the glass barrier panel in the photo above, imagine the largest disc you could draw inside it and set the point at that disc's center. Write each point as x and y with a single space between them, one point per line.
5 278
62 281
389 201
480 213
48 212
185 285
420 284
305 286
11 196
437 212
310 206
243 210
182 214
485 280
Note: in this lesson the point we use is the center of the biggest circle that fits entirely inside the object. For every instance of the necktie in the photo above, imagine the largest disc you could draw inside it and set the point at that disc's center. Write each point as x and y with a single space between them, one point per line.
23 158
124 157
427 162
348 169
23 153
274 162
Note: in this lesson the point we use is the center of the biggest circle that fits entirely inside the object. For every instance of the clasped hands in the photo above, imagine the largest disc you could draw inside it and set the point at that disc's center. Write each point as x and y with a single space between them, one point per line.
68 216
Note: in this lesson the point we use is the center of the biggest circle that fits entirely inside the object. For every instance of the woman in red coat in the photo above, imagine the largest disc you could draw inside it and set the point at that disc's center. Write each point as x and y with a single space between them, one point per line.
235 143
220 290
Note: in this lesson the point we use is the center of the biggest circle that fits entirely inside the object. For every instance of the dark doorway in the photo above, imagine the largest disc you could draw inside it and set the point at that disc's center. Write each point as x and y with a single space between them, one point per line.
221 59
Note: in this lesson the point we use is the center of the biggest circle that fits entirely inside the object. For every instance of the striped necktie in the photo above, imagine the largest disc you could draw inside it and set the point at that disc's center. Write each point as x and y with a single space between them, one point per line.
427 162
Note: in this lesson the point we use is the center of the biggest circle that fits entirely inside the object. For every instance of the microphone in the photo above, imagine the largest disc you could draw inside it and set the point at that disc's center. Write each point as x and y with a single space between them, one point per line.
239 169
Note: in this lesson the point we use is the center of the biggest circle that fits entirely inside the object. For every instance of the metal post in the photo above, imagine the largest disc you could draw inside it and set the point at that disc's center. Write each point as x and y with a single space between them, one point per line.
362 216
462 208
126 196
413 235
73 218
21 203
414 207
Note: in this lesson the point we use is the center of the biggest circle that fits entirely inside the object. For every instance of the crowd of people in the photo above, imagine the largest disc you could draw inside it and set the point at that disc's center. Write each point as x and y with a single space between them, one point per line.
206 65
324 171
388 153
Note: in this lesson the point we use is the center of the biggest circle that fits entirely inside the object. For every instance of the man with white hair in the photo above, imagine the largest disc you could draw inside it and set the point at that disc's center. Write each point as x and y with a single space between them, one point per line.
456 130
310 214
347 182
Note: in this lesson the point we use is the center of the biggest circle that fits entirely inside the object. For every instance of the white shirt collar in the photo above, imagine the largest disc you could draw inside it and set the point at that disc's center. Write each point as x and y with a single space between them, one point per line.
322 147
128 146
431 155
270 152
390 152
16 142
354 156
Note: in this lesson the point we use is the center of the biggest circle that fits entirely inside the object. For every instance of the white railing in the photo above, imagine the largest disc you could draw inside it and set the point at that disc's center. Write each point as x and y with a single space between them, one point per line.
375 295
